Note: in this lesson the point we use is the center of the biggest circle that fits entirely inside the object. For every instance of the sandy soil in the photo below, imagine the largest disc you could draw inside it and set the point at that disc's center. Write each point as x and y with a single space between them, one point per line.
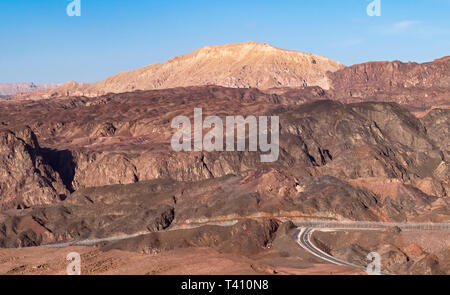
192 261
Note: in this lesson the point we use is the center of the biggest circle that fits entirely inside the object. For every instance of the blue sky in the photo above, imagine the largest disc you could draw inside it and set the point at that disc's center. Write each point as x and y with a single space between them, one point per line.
40 43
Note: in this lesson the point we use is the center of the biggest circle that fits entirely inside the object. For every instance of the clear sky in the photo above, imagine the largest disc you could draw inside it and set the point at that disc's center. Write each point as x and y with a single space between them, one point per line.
40 43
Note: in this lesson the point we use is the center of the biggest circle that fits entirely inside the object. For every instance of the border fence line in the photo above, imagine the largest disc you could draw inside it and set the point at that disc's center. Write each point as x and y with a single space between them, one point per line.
371 225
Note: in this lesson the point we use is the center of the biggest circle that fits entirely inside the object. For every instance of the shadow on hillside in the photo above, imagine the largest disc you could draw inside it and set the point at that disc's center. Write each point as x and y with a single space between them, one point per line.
63 163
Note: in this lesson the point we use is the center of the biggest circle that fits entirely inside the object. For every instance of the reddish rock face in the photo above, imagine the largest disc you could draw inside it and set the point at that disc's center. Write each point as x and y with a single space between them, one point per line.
26 179
411 84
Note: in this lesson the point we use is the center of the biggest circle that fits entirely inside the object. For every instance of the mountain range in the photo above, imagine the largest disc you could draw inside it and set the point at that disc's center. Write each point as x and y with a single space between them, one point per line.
262 66
9 89
240 65
92 163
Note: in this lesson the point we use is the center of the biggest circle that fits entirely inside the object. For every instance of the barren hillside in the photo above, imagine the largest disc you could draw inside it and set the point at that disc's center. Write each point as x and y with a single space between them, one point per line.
240 65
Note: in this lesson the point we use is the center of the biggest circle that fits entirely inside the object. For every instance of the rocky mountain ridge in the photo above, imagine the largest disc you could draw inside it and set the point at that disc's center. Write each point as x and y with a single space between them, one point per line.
273 70
87 169
239 65
411 84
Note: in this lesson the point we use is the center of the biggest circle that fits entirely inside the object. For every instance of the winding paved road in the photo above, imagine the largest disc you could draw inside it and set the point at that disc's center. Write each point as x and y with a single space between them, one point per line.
303 238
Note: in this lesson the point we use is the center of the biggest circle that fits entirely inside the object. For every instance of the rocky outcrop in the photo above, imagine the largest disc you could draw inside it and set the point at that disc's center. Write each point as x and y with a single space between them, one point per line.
26 179
437 125
412 84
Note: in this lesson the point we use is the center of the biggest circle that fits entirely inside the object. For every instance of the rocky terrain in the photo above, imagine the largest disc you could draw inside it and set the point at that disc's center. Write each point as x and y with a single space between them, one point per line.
90 168
9 89
93 164
415 85
26 178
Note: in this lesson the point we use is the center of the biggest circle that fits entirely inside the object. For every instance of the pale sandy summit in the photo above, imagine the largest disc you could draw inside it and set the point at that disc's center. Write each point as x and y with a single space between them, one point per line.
240 65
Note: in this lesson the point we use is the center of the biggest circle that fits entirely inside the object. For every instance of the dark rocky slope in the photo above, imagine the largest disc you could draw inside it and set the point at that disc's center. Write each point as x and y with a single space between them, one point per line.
26 178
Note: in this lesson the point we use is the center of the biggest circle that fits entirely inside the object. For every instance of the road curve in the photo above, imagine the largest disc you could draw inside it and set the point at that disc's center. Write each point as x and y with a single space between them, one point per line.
303 238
